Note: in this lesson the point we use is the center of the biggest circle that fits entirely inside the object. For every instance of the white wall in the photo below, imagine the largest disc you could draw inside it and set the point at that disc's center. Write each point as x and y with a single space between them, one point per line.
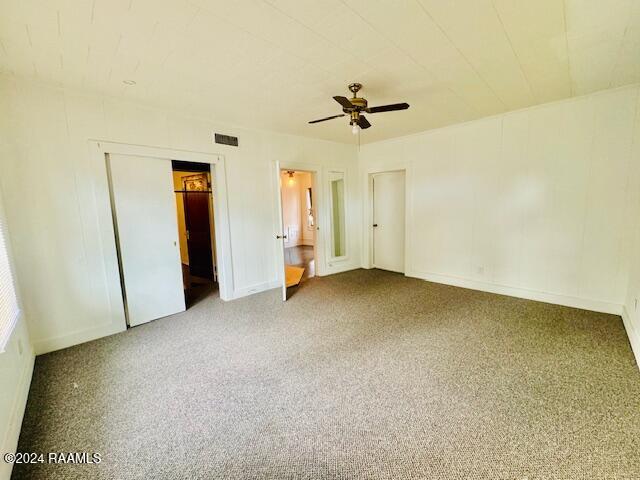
54 191
537 203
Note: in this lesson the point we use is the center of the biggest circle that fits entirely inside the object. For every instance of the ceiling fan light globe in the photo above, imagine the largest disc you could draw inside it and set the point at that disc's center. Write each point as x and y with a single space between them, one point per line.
355 129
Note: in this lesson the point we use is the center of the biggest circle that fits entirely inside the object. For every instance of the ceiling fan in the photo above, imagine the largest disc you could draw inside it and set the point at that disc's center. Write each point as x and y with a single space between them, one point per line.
354 106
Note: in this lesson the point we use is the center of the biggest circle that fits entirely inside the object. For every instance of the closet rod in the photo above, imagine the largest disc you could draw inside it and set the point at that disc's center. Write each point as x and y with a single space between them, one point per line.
193 191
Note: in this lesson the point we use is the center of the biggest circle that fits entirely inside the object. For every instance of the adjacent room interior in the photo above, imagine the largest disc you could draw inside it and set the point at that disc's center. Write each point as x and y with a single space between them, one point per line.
298 219
338 239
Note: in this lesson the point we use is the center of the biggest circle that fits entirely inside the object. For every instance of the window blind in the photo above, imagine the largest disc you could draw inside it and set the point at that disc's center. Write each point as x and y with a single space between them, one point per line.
8 301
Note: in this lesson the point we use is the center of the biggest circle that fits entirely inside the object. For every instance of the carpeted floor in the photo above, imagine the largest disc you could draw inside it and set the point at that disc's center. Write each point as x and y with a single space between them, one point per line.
365 374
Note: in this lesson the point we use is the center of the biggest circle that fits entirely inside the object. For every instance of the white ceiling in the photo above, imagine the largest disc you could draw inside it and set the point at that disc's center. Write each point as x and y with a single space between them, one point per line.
275 64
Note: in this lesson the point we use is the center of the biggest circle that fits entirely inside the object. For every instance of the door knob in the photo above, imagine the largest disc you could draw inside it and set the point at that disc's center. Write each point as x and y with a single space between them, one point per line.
375 224
281 236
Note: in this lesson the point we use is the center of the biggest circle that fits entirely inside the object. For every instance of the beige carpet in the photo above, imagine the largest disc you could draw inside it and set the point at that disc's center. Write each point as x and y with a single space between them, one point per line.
365 374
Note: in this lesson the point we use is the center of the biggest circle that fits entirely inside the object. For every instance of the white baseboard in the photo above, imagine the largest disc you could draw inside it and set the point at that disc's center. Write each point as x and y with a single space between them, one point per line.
47 345
632 333
337 267
257 288
565 300
261 287
17 414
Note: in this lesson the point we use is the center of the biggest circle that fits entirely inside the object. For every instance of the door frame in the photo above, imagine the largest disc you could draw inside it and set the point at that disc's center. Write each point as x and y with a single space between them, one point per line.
367 244
99 150
318 204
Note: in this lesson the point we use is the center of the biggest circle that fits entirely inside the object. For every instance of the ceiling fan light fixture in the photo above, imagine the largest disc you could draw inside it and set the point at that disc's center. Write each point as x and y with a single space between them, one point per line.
356 106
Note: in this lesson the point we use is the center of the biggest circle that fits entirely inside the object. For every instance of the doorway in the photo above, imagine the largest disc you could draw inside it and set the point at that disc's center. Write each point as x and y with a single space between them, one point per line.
299 226
388 215
195 214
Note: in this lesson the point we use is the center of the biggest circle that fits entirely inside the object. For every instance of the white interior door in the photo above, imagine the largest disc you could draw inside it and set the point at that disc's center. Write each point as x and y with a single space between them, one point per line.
147 231
388 221
281 237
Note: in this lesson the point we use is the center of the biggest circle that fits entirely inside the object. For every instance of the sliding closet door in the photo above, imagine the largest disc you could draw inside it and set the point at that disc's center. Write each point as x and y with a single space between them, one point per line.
147 233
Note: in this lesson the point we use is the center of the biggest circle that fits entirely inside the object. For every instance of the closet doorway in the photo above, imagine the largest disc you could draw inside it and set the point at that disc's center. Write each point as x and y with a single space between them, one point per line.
140 233
195 214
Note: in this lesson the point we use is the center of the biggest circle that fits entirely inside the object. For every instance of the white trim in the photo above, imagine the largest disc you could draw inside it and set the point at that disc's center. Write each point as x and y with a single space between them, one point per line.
51 344
10 441
632 333
340 267
156 152
100 149
281 276
257 288
565 300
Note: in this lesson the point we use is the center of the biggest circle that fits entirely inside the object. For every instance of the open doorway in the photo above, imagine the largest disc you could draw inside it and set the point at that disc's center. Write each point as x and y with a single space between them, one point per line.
299 226
194 207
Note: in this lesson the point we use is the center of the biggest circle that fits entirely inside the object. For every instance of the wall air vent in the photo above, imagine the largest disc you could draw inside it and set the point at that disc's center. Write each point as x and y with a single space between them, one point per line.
226 140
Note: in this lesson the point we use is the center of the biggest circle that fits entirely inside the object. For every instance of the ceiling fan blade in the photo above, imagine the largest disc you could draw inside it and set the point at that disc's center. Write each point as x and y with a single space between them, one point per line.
344 101
363 122
327 118
388 108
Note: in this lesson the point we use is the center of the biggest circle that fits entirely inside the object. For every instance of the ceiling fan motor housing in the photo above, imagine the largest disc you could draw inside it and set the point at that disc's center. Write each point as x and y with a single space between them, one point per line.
359 103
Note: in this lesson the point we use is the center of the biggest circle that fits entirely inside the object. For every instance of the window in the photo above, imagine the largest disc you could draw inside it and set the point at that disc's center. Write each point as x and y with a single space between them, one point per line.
8 302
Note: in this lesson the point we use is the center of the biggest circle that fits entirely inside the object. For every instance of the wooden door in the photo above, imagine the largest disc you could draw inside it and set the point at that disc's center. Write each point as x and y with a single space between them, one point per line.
196 215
